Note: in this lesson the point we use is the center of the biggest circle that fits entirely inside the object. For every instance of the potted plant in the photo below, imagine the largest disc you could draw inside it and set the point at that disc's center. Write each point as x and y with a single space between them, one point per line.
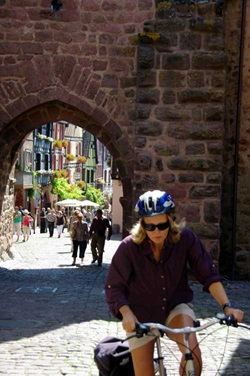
57 144
64 143
81 159
81 184
70 157
57 174
64 173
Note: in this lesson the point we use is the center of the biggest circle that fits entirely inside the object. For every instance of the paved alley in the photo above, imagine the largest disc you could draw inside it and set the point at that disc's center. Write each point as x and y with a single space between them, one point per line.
53 314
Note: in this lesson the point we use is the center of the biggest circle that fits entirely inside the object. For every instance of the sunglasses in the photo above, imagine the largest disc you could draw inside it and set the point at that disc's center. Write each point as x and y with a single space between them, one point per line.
151 227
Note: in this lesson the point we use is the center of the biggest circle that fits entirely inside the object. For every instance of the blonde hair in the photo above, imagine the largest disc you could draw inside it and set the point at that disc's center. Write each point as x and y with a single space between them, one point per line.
139 233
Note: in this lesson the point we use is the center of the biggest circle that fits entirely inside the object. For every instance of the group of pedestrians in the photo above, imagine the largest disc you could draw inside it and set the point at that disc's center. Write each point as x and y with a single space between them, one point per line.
80 227
22 221
81 233
51 219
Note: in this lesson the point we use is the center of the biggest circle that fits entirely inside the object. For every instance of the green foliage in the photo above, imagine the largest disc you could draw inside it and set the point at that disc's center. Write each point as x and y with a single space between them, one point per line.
95 195
63 189
31 192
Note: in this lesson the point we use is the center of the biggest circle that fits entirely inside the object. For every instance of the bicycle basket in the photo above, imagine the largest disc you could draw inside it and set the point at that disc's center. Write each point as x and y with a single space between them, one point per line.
112 358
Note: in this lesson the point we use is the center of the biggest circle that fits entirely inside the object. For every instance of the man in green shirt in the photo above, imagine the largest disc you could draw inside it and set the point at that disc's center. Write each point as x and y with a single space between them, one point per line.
17 221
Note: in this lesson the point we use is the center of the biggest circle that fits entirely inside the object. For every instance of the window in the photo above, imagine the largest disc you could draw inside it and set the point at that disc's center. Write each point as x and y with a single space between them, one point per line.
38 161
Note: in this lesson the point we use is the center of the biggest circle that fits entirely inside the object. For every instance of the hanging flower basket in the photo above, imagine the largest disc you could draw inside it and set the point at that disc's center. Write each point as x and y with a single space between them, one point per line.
57 174
64 143
70 157
64 173
57 144
81 184
81 159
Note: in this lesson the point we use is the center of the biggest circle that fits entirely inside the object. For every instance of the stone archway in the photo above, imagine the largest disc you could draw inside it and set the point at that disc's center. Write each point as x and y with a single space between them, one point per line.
155 81
94 121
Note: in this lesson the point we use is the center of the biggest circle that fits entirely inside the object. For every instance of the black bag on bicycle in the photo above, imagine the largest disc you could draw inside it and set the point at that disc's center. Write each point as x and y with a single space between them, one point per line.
112 358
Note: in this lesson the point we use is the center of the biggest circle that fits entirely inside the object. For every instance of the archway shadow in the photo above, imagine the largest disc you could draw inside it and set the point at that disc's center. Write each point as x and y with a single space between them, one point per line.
36 301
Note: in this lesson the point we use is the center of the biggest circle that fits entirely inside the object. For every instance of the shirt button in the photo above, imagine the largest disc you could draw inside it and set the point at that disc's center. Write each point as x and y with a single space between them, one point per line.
163 308
109 286
164 288
164 299
162 276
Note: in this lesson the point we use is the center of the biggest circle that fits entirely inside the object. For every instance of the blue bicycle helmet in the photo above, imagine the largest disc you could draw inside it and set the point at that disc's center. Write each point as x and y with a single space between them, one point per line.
154 203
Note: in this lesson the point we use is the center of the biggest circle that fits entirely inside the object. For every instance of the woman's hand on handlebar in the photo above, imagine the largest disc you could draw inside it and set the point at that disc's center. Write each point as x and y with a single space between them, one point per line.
128 319
235 312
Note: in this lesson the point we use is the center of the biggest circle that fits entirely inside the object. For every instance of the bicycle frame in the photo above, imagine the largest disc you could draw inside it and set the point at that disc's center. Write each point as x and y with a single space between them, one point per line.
144 329
189 364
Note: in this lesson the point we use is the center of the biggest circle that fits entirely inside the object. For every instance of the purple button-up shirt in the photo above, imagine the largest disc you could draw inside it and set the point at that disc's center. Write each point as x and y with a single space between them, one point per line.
153 288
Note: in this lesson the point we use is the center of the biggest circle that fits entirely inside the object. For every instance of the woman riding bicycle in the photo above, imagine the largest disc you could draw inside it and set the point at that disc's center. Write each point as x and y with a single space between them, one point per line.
148 279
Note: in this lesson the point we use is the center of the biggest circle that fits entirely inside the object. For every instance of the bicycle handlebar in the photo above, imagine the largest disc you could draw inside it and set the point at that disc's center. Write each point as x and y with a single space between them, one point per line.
145 328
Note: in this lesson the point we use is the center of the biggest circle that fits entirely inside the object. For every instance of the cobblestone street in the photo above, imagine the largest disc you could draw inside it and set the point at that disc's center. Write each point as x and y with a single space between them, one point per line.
53 314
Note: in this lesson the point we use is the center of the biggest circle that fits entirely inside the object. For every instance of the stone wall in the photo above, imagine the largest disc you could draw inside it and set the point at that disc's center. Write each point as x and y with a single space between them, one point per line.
242 241
6 219
180 112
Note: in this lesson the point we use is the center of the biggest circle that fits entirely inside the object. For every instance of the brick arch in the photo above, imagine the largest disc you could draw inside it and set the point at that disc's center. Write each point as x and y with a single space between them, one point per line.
78 112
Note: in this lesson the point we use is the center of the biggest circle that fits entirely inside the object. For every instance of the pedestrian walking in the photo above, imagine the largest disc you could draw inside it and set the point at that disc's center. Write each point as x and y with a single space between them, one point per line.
80 237
27 222
51 218
60 222
43 221
148 279
17 222
97 232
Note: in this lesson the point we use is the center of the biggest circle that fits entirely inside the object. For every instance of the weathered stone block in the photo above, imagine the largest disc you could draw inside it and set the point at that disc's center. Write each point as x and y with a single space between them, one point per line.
148 96
159 165
140 142
200 96
191 212
212 211
177 61
207 25
143 161
110 80
171 114
168 97
201 164
165 150
168 178
214 43
149 128
190 41
196 79
191 177
172 79
173 25
204 191
147 182
206 231
127 81
218 79
215 147
99 65
214 113
214 178
146 57
196 131
143 111
208 60
130 93
206 9
194 149
146 78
